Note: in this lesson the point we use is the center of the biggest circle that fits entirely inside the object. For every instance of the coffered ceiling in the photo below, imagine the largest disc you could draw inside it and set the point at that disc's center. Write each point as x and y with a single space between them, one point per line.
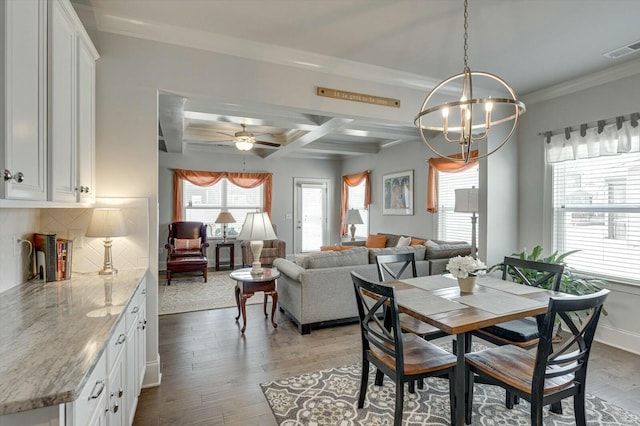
532 44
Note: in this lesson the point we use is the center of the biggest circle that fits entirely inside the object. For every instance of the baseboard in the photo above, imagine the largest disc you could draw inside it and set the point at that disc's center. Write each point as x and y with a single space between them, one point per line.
621 339
152 374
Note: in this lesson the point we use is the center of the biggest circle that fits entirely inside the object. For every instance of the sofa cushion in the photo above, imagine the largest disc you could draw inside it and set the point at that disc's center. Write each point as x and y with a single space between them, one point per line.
332 259
416 242
403 241
335 248
376 241
441 249
186 243
418 252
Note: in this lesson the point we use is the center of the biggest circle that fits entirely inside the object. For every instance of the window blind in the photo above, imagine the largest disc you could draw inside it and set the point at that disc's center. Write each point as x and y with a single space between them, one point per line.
454 226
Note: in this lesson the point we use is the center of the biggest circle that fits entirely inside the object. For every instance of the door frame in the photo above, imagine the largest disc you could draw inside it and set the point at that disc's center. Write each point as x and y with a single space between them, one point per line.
297 240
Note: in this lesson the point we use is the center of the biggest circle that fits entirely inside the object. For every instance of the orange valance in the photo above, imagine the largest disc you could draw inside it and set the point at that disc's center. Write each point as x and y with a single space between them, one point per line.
448 166
353 180
202 178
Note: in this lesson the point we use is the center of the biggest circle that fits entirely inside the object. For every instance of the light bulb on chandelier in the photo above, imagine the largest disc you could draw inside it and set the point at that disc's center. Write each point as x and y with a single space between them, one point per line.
459 121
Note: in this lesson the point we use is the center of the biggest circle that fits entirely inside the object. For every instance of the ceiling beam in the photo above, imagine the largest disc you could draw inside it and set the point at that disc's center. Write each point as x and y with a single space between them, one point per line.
328 127
170 109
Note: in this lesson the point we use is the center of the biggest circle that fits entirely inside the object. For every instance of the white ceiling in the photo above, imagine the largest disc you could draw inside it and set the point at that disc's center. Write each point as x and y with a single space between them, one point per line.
532 44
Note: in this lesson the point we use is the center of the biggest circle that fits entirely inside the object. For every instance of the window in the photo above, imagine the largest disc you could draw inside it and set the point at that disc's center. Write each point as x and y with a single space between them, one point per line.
204 203
596 210
356 201
454 226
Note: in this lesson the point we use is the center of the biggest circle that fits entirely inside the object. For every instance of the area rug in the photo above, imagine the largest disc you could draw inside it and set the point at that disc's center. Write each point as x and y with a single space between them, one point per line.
193 294
330 397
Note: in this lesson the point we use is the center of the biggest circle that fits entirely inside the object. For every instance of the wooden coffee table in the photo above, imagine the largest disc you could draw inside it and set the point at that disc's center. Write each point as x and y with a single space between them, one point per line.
247 285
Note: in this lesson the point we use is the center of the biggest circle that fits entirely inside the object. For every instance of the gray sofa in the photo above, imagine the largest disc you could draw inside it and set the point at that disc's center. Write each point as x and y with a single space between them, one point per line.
316 290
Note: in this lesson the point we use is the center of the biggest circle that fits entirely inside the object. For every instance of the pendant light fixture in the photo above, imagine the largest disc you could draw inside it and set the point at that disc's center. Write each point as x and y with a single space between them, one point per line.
464 119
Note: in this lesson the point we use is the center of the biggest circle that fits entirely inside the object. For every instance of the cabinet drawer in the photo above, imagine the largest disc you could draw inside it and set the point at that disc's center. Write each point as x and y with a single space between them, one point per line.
91 395
116 344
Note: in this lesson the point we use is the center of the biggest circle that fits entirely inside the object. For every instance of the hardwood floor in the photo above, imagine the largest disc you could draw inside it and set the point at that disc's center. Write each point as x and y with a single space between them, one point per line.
211 373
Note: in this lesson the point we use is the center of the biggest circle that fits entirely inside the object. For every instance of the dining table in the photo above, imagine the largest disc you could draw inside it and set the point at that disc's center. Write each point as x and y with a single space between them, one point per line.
437 300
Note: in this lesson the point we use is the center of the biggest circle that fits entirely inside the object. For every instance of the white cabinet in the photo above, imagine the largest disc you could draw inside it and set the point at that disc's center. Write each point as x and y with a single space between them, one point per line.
136 349
85 188
89 407
117 381
23 91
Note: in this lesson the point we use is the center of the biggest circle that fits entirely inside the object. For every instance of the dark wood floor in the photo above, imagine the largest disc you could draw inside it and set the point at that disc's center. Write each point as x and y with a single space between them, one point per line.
211 373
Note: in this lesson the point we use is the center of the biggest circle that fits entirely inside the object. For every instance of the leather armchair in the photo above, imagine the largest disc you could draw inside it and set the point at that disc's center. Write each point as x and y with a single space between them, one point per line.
271 250
186 232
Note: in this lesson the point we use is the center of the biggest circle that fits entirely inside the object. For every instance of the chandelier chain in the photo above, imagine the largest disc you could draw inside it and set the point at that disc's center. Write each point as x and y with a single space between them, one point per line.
466 36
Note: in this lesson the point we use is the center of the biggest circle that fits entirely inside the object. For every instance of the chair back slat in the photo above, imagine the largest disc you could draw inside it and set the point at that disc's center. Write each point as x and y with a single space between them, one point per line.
532 273
581 315
388 265
384 335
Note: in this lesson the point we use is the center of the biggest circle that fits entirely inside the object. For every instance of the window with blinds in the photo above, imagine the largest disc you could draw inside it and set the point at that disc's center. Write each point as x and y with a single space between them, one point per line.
356 201
454 226
204 203
596 210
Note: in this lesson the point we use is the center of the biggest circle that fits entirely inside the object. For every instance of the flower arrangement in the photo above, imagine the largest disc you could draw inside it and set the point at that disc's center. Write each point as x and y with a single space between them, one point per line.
467 266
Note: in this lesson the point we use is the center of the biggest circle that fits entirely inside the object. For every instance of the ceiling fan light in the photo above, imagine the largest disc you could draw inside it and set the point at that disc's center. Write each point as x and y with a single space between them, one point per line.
244 145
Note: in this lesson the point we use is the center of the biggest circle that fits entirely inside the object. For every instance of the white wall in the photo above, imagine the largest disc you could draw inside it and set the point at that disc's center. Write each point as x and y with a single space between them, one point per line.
15 267
621 327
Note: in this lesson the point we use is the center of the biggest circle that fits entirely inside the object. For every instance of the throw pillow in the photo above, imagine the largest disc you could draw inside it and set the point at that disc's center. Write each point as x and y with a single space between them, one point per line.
187 243
416 242
336 248
403 241
376 241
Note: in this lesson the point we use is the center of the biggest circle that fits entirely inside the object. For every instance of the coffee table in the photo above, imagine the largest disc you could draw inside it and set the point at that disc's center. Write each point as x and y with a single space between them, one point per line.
247 285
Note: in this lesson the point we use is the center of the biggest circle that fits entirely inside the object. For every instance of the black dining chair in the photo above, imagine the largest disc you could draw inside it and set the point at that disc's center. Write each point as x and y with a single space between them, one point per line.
403 357
550 374
394 267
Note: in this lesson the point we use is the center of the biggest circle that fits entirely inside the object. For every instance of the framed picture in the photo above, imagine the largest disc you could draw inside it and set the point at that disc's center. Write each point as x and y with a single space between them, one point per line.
397 193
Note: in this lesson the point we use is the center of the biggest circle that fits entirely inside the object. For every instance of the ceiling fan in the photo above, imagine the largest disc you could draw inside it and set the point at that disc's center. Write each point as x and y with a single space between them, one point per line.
245 140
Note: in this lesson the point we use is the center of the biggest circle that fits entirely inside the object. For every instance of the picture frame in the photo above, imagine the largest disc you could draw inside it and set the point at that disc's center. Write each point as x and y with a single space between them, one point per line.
397 193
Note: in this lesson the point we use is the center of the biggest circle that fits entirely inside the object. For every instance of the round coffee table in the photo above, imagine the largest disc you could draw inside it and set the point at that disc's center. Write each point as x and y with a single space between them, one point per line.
247 285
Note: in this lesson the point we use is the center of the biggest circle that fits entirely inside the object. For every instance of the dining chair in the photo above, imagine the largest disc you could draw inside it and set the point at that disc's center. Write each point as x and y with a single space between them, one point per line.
404 357
393 267
522 332
550 374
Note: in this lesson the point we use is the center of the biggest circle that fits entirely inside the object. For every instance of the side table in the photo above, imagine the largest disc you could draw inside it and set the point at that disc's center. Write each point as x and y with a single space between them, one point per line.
231 247
247 285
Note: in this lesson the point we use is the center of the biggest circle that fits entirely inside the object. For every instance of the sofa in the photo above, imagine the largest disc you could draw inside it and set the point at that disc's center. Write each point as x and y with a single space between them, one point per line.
316 289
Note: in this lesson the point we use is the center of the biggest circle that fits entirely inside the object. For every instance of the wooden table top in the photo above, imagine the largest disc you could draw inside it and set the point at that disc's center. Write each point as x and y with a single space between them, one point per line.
437 300
244 275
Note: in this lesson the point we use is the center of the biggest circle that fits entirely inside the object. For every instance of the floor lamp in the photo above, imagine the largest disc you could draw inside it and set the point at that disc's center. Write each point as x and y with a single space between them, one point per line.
467 202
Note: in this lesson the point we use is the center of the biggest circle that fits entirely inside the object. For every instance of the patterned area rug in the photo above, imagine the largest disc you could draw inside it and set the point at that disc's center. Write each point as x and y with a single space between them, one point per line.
193 294
330 397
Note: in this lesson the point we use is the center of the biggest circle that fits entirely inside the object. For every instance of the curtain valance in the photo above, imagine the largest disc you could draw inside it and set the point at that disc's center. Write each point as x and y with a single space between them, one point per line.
353 180
444 165
204 178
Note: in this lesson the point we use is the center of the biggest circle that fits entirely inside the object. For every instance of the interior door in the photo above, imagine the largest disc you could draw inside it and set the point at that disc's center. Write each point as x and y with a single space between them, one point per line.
310 214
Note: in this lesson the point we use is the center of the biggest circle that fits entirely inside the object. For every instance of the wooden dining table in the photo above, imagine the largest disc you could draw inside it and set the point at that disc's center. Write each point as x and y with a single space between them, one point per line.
437 300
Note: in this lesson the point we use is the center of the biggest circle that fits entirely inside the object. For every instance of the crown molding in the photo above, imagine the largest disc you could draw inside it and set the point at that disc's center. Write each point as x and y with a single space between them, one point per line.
568 87
208 41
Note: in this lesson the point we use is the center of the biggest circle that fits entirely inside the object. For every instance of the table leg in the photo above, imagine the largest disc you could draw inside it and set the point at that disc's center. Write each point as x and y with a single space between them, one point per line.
238 300
264 305
244 312
460 379
274 302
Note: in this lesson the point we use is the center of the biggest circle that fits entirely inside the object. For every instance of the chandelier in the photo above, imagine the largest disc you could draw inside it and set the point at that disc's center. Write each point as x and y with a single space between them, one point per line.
463 118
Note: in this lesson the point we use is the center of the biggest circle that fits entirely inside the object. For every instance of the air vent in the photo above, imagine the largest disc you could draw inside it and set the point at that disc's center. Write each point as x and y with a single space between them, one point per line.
623 51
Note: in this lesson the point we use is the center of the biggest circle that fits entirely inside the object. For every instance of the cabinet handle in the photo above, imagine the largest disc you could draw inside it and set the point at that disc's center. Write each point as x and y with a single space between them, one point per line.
18 177
86 189
97 390
121 339
135 310
116 407
120 393
144 291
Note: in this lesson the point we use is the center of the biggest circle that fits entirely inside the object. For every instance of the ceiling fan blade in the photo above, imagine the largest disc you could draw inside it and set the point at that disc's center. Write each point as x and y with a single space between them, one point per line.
227 134
273 144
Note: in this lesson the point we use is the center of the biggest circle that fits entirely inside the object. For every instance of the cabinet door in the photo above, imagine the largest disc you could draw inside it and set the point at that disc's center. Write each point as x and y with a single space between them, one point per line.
24 90
116 414
86 123
131 396
62 104
141 341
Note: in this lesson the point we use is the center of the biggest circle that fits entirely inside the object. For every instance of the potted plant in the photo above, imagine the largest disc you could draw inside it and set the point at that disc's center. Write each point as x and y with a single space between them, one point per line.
466 270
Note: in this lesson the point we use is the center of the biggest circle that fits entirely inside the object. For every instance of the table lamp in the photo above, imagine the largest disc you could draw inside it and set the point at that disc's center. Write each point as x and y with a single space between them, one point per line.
353 218
224 218
256 228
107 223
467 202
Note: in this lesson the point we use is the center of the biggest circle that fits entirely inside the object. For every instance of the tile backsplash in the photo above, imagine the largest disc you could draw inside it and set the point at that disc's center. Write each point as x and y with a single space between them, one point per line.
128 252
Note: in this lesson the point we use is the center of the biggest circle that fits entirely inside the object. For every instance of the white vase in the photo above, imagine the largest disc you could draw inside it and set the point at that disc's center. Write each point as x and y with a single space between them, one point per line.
466 284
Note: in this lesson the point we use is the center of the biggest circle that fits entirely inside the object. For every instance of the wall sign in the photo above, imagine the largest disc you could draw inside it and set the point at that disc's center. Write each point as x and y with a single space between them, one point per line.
357 97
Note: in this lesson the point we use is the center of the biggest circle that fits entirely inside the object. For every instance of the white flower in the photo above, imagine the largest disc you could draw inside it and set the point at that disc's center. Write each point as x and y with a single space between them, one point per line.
463 267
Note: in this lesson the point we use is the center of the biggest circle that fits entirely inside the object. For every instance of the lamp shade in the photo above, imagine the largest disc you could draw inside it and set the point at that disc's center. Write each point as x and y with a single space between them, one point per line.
225 217
466 200
107 222
257 227
353 217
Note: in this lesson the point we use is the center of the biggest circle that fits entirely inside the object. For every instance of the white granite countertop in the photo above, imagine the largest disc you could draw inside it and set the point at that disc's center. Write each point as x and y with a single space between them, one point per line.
50 339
